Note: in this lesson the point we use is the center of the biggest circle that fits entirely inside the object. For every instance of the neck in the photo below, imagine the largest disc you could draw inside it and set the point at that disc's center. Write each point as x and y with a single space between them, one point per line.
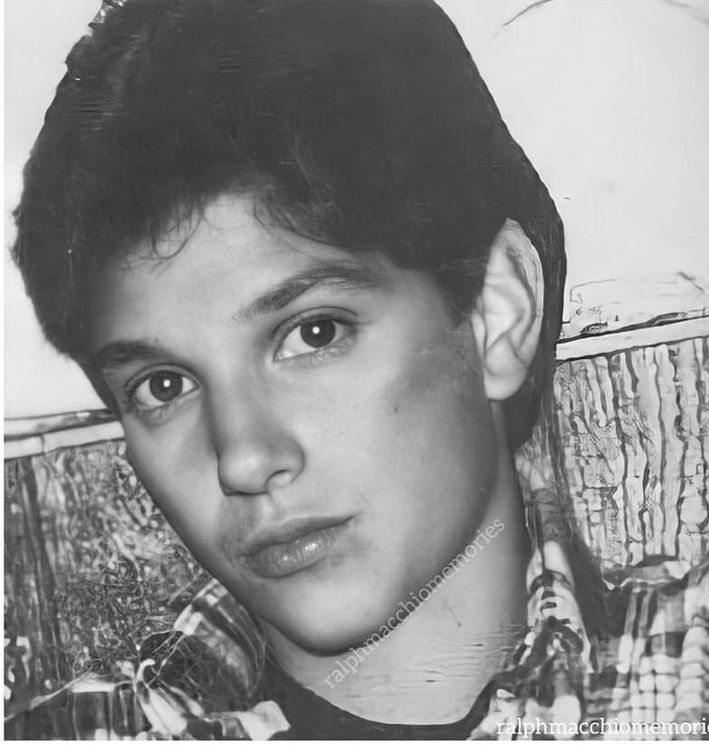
431 667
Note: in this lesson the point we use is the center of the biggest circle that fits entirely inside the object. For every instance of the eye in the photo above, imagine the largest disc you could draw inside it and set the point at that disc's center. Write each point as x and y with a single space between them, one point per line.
161 388
311 336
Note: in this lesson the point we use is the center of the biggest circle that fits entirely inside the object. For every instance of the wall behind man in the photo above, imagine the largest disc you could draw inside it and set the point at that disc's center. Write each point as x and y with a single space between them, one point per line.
38 36
607 97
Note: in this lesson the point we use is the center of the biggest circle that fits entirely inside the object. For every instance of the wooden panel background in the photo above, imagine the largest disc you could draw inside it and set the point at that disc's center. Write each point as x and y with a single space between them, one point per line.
634 436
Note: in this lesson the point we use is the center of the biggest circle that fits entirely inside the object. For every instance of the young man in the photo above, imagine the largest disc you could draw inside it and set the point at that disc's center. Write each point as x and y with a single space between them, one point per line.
297 252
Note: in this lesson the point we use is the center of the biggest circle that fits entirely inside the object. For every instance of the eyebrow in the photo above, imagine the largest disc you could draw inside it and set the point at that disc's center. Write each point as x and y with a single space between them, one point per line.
118 353
340 274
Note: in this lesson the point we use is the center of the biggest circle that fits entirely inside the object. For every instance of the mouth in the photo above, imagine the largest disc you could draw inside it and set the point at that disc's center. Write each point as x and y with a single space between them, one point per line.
294 546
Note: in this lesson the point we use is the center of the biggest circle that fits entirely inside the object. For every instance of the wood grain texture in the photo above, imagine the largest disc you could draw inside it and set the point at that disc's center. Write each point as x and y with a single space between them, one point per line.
633 431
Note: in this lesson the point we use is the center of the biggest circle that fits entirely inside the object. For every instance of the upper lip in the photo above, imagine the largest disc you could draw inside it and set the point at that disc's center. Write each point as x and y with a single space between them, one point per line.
290 530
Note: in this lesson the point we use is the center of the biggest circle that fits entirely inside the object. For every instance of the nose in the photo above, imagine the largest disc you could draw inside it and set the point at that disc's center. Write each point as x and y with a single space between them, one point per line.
256 453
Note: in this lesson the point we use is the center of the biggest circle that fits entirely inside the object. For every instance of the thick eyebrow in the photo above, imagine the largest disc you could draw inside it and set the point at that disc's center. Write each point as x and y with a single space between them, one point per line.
118 353
340 274
343 275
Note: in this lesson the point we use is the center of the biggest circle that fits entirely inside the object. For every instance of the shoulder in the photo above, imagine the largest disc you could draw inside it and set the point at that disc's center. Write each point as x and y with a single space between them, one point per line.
199 680
647 673
654 665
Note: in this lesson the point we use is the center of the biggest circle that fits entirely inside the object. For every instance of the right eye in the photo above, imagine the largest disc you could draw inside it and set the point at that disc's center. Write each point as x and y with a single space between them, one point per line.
161 388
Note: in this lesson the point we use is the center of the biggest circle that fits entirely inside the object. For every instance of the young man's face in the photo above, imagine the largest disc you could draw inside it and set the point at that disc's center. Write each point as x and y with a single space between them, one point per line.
312 423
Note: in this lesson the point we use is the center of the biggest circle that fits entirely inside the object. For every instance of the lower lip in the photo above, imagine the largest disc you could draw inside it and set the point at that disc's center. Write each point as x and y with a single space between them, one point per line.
284 559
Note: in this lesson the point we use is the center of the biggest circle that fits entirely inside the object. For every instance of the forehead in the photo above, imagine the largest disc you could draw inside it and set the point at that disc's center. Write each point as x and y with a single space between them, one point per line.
229 226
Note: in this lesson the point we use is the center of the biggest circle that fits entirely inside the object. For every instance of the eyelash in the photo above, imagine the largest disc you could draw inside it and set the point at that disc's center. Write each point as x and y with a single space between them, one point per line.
152 413
310 317
130 405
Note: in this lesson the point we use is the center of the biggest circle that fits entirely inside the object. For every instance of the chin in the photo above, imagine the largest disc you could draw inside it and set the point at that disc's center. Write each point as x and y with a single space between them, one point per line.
334 626
330 638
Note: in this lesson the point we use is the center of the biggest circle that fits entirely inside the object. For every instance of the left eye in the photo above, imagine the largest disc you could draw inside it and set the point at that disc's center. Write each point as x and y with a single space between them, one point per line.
161 388
311 336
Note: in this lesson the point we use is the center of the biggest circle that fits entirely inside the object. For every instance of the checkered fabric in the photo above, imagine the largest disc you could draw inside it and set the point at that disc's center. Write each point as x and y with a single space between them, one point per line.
202 679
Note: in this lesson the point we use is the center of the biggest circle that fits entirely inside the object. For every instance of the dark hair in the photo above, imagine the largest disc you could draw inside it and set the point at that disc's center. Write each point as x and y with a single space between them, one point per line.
361 123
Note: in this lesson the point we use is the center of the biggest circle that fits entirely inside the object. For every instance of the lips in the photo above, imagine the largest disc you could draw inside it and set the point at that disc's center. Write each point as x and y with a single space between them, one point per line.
294 546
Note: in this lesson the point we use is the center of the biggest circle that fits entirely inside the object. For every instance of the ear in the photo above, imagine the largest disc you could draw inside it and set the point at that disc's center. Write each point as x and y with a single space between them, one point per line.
507 317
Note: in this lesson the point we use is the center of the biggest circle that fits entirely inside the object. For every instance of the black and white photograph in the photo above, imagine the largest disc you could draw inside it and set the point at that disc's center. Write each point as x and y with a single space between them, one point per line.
356 370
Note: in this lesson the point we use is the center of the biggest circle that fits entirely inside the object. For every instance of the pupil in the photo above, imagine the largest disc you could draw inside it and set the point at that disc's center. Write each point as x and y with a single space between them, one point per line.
318 333
166 386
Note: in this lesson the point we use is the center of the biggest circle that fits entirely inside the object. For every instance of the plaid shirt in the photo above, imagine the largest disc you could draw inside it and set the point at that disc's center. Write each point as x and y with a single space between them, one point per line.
203 679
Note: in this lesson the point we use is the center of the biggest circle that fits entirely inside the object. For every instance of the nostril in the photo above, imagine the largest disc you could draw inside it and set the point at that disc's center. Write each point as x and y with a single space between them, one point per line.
280 479
229 491
241 487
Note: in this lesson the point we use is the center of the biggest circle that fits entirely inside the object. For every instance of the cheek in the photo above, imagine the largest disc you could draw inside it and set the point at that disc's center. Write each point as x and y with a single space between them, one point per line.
182 493
413 430
435 400
441 436
175 475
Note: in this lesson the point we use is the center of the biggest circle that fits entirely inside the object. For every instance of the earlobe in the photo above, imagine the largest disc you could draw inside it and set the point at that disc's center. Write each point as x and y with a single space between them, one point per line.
508 314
